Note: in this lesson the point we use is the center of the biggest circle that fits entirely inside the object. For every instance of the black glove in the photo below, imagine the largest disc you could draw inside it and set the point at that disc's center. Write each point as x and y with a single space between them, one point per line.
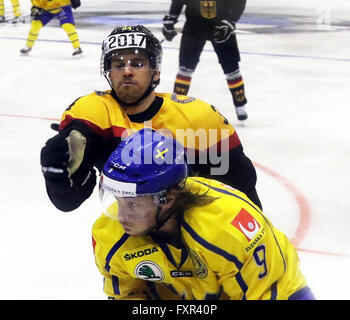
64 158
223 31
36 12
75 3
168 29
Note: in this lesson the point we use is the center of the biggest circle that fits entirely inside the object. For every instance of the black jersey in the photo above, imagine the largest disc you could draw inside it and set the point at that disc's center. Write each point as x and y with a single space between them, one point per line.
203 16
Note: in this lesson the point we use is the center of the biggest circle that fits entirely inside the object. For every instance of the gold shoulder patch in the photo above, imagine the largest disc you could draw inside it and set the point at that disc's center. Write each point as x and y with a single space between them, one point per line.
181 99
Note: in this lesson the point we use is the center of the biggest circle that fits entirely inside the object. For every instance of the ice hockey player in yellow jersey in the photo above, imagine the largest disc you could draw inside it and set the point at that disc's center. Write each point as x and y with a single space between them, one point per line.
16 10
43 11
164 235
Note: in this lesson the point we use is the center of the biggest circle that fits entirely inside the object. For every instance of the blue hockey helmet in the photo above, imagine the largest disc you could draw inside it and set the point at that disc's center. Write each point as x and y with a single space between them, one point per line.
147 162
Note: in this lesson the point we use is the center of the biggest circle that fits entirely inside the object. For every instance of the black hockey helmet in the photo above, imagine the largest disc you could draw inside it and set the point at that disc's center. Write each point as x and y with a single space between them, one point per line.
138 38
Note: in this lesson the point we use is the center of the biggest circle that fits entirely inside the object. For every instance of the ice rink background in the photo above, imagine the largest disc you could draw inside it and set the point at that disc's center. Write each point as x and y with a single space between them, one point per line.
296 67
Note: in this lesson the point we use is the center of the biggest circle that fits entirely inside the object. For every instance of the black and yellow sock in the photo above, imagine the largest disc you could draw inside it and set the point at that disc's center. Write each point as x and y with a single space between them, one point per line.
236 86
182 84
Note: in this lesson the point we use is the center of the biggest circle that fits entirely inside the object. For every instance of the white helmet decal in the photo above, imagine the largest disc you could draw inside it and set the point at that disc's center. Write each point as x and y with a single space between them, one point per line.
124 41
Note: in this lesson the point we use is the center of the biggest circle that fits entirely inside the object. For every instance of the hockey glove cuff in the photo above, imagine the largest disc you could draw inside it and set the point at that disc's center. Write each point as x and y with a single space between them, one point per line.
36 12
64 157
168 29
75 4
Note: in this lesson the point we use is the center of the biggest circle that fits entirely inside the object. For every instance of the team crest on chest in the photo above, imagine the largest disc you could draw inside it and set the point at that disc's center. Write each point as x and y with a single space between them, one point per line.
208 9
199 266
149 270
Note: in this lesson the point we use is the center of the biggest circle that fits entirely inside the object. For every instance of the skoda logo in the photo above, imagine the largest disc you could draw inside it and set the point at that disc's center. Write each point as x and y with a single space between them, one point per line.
148 270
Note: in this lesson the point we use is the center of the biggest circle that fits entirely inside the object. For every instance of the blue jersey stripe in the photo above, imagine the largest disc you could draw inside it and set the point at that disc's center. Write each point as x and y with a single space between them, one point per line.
274 291
221 252
228 193
242 284
211 247
302 294
115 284
114 249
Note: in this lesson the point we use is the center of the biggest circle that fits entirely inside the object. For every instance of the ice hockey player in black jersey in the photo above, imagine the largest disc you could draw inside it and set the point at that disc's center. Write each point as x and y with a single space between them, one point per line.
208 21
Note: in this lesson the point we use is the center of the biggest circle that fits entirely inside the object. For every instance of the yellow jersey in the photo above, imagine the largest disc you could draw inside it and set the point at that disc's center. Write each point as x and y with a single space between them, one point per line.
230 251
51 5
212 144
194 123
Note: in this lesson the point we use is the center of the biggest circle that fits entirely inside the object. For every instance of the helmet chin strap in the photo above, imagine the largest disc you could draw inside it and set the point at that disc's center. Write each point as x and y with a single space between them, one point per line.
160 200
147 92
159 223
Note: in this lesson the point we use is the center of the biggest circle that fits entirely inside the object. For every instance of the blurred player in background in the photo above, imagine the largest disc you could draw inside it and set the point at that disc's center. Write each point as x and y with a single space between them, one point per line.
43 11
93 125
214 21
16 10
164 235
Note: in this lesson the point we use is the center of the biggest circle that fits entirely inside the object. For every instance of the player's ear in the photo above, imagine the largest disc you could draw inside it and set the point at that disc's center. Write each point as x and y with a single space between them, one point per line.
156 77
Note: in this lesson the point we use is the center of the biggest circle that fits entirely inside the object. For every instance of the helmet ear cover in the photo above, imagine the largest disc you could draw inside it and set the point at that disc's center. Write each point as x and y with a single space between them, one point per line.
161 198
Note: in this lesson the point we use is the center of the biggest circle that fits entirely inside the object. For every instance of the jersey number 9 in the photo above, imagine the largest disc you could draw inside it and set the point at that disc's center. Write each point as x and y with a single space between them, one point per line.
260 260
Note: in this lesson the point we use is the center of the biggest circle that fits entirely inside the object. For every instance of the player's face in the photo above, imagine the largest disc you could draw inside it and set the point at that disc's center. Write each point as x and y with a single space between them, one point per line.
137 215
130 76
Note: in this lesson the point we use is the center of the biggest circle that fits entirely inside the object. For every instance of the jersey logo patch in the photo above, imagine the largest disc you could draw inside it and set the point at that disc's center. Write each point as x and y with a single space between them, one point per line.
199 266
148 270
208 9
245 223
181 99
180 274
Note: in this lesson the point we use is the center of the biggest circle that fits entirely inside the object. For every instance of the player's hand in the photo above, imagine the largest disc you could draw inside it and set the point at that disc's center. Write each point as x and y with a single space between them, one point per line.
75 3
168 29
223 31
36 12
63 159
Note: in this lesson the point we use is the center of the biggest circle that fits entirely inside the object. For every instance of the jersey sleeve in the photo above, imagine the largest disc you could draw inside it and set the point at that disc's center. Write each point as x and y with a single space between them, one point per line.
260 258
210 139
118 284
221 134
89 115
205 128
91 110
122 287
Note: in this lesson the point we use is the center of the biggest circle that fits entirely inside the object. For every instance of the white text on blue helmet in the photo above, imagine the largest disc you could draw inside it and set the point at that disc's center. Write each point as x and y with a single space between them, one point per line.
118 188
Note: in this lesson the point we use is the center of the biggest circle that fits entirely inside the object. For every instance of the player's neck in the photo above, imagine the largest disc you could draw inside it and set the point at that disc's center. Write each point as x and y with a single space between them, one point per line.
170 232
142 106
